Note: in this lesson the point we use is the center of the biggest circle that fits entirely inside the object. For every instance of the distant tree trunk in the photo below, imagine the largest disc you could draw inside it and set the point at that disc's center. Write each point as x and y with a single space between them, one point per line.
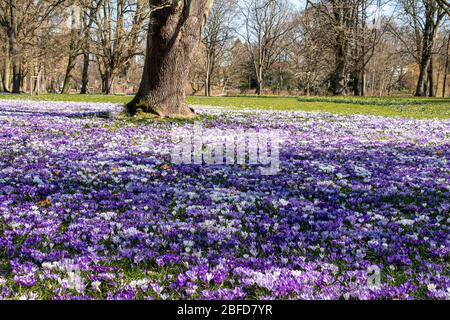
438 79
444 85
5 80
357 83
208 84
6 76
430 74
15 62
85 74
423 70
22 77
433 16
88 20
337 80
210 56
280 81
13 50
108 78
16 75
259 79
173 37
68 74
363 82
259 87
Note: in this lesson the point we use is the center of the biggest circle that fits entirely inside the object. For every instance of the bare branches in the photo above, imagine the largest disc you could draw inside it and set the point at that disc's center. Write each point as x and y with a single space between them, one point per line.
445 6
267 23
119 35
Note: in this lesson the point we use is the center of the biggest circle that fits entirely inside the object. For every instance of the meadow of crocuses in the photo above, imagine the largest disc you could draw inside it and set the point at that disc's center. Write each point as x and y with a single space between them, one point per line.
91 207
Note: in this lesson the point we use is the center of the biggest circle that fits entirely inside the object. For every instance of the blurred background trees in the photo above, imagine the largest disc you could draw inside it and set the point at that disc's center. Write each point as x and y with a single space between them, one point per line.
301 47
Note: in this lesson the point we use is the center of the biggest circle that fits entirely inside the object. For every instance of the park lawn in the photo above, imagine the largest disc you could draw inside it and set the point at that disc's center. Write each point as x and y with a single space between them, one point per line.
409 107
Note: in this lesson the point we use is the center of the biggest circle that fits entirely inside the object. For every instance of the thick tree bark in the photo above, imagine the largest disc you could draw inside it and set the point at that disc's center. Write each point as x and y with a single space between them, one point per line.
13 51
174 34
15 71
85 74
108 81
423 70
259 79
68 75
444 85
438 80
209 72
208 84
357 83
259 87
6 75
359 88
337 80
430 78
430 75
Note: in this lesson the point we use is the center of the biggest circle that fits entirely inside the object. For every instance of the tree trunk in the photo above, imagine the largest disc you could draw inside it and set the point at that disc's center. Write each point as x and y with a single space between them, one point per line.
357 83
208 84
363 82
68 75
423 70
438 79
337 80
429 34
259 87
108 80
173 37
13 52
6 76
85 74
444 85
16 76
259 79
430 78
210 56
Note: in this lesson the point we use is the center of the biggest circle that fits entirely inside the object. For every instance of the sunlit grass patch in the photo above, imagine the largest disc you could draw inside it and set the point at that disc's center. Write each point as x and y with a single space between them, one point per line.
408 107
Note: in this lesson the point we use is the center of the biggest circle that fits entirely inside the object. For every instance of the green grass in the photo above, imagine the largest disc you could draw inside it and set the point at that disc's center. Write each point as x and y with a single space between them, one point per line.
418 108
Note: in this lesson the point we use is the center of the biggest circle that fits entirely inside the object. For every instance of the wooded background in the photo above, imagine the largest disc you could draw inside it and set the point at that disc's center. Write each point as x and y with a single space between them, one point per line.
316 47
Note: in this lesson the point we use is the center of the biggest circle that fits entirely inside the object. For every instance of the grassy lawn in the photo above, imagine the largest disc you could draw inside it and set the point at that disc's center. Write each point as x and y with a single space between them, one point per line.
419 108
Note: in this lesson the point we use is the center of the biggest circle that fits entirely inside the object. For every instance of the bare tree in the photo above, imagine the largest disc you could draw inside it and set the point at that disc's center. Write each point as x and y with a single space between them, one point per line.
366 33
337 18
423 17
21 19
75 43
308 54
267 23
119 24
90 8
240 69
218 32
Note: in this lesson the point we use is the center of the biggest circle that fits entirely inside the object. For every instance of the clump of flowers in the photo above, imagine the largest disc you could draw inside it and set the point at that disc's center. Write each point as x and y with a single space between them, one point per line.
92 208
